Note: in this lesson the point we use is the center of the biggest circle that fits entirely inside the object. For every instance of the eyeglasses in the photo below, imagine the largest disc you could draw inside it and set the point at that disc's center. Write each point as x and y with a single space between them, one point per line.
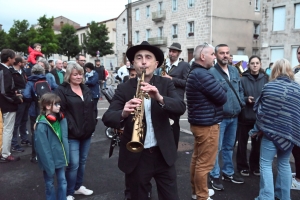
204 45
82 60
56 104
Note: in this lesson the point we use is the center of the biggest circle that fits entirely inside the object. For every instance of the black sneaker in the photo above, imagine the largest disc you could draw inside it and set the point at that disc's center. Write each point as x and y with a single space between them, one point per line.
17 148
233 178
245 172
256 172
216 183
26 142
33 159
9 159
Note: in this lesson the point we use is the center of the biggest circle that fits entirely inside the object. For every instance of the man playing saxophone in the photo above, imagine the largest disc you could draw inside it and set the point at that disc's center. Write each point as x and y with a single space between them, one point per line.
157 158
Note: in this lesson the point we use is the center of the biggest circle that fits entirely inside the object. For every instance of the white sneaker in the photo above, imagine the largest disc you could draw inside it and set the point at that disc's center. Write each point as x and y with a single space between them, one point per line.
211 192
84 191
69 197
295 184
293 174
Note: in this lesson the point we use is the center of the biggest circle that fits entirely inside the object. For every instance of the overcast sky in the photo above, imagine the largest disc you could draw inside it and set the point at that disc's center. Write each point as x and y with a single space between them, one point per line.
81 12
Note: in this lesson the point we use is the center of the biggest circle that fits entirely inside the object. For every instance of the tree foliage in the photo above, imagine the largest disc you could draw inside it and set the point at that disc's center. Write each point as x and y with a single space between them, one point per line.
68 41
45 36
3 40
97 39
17 38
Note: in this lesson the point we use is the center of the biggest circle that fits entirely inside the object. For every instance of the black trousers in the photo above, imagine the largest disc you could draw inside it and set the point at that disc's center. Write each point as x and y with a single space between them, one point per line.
32 122
152 165
296 154
241 155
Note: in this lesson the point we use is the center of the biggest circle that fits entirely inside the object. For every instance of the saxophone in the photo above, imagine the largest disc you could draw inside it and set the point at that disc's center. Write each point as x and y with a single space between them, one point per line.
136 145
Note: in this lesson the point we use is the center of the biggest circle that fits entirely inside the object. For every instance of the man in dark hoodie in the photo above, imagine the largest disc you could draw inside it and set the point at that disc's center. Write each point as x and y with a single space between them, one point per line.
9 100
20 79
38 74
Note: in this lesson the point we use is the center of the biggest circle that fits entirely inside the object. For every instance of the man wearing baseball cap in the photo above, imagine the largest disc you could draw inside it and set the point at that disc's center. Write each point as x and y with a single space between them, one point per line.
158 157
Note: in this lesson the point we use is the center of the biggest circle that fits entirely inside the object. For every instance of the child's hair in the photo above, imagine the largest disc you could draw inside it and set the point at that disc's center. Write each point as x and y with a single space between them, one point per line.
48 99
36 44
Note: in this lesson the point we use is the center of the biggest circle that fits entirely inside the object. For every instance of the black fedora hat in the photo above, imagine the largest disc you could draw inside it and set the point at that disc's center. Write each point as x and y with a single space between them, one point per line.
175 46
159 55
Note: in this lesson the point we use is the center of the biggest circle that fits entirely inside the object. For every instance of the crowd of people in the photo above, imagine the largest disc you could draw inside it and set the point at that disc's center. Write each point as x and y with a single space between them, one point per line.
223 106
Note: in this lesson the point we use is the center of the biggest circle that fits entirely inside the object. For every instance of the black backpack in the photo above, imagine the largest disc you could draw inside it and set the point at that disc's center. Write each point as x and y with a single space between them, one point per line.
40 87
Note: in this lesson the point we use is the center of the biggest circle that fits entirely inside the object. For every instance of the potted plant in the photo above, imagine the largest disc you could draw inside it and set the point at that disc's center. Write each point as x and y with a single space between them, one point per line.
191 34
255 36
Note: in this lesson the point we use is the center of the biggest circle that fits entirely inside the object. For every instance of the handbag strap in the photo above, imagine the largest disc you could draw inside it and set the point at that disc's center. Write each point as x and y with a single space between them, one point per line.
218 68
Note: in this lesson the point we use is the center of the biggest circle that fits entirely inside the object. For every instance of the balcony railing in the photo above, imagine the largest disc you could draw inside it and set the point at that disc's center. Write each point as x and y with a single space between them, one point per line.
159 15
157 41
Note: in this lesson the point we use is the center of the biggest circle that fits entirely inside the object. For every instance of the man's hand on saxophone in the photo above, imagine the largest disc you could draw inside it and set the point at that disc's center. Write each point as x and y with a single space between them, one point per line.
152 91
130 107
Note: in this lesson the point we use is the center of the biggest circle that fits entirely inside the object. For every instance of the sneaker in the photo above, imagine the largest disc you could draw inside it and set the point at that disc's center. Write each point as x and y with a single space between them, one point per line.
9 159
233 178
211 192
69 197
17 148
295 184
33 159
256 172
26 142
84 191
216 183
245 172
293 174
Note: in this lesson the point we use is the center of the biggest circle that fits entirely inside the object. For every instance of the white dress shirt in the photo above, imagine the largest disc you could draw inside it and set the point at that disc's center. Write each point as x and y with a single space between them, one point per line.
150 139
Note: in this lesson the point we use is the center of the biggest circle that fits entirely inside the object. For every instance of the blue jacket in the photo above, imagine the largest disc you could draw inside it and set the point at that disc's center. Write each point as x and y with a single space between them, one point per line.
232 107
51 80
205 97
93 84
29 92
52 153
278 110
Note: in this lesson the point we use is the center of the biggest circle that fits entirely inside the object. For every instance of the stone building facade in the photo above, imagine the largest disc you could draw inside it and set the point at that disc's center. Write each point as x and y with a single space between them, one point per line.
280 30
190 23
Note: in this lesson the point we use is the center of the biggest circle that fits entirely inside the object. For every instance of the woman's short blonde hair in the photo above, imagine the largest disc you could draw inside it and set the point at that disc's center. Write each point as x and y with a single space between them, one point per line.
282 67
70 68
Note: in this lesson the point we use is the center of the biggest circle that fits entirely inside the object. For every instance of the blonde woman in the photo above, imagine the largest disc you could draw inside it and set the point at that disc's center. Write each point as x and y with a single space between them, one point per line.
78 106
278 121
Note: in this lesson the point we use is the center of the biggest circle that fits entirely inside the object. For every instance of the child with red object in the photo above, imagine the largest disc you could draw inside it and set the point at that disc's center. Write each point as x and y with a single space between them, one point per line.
33 55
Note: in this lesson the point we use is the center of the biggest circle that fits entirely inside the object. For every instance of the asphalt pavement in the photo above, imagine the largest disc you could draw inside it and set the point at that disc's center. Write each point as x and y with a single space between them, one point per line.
24 180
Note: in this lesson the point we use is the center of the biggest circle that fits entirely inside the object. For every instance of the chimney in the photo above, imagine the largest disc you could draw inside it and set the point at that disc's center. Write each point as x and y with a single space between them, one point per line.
0 27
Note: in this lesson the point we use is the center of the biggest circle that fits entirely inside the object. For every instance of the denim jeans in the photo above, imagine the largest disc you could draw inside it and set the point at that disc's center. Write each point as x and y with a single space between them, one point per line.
284 177
79 150
20 123
61 192
226 142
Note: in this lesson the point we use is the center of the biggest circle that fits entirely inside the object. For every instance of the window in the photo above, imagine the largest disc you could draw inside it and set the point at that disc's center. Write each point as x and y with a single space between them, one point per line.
276 53
137 14
190 29
240 51
294 62
175 30
148 11
257 5
124 39
297 16
160 31
174 5
160 6
278 18
137 37
255 51
148 32
256 31
191 3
